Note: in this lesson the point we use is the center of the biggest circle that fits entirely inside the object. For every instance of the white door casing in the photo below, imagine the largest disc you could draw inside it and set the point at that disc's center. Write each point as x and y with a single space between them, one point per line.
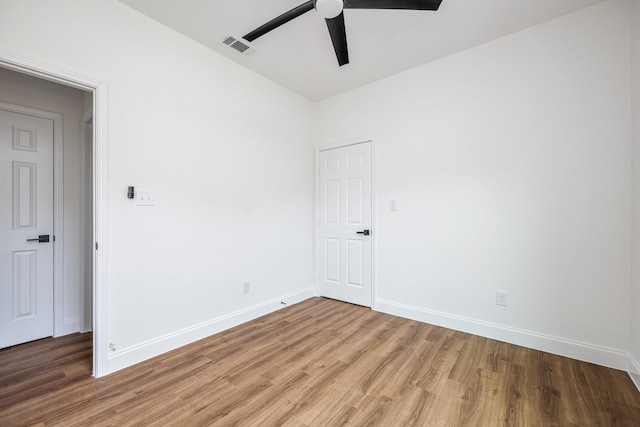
26 212
344 213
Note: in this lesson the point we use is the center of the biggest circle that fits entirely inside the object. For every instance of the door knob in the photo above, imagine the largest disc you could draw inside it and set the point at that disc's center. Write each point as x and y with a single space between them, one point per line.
365 232
43 238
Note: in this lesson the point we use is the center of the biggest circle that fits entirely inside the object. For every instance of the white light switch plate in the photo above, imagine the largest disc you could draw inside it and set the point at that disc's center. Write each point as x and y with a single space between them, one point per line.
145 198
502 298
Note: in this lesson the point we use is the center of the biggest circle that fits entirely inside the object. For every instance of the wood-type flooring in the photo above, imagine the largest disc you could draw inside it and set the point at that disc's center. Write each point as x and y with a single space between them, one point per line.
317 363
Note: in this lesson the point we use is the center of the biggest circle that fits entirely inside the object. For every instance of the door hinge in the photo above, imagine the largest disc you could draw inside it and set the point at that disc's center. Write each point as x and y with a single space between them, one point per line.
96 246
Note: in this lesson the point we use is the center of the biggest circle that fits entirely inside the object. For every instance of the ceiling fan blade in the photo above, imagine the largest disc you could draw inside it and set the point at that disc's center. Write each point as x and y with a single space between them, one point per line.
339 38
282 19
393 4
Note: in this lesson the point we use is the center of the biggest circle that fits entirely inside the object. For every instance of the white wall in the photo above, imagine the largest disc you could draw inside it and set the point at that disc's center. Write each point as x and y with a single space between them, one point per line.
227 153
635 286
510 164
28 91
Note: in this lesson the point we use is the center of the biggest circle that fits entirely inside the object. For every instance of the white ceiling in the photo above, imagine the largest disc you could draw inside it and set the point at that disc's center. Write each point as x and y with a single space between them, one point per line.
299 55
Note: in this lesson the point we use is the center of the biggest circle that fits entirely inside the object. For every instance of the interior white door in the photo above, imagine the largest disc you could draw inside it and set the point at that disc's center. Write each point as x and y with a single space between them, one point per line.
26 213
344 243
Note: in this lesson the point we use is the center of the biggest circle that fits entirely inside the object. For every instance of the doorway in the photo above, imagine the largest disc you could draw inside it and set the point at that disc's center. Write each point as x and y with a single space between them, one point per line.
344 243
93 317
43 277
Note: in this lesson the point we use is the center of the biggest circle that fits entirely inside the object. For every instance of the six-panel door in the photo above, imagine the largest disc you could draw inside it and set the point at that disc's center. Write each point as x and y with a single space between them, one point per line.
344 217
26 212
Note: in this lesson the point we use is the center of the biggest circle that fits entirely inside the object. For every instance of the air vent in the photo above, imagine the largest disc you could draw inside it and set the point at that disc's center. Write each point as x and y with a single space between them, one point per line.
239 45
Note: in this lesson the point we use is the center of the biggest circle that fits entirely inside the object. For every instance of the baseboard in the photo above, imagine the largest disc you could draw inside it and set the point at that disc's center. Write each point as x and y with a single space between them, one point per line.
130 356
67 328
611 358
634 370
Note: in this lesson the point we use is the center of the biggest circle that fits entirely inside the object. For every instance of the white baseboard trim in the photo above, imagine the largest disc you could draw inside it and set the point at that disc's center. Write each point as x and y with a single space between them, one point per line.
70 327
634 370
611 358
130 356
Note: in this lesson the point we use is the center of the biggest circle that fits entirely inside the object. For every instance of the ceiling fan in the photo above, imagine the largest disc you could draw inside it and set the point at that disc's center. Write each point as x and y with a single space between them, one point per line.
332 11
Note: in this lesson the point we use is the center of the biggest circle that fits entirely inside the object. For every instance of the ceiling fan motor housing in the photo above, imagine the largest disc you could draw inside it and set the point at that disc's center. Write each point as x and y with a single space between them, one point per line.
328 9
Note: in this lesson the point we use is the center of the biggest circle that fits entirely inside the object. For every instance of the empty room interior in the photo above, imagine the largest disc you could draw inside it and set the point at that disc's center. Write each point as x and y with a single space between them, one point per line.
317 213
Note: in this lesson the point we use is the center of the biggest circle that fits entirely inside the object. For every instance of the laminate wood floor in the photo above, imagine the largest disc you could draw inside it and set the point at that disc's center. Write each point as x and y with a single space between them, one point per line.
317 363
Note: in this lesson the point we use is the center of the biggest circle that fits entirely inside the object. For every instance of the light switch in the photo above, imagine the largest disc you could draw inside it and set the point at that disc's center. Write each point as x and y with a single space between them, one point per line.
145 198
392 205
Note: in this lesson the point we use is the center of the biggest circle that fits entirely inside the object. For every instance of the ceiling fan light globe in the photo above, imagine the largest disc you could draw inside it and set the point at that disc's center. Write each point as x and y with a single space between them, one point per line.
329 9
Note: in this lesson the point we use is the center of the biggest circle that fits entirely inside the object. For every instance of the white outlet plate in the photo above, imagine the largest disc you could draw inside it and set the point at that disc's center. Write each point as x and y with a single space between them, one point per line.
502 298
246 287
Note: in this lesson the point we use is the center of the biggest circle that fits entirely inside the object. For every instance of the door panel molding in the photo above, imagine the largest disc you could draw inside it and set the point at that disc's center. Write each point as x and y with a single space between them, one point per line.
99 89
24 284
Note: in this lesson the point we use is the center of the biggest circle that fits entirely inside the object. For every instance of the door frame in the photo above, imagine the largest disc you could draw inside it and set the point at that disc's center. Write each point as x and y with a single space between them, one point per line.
86 241
99 89
374 222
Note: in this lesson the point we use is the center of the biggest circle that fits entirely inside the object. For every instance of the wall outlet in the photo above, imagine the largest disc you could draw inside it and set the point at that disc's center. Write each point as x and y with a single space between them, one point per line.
501 298
246 287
